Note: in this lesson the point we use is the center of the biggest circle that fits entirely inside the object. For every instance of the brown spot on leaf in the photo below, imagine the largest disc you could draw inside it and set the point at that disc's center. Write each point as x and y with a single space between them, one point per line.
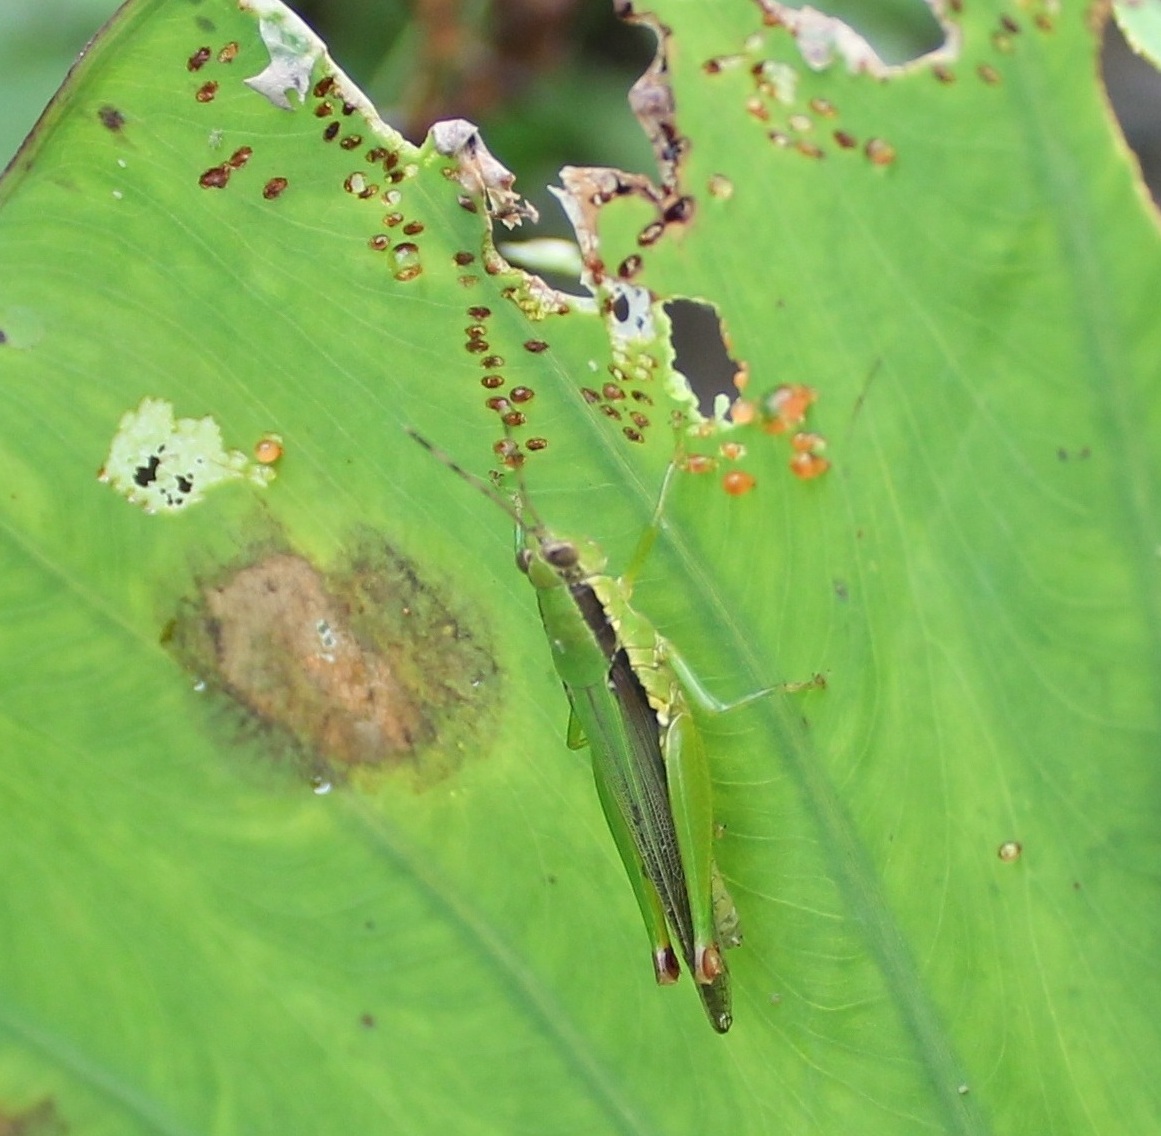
324 86
463 259
111 118
198 60
40 1119
206 92
228 53
331 132
239 157
275 187
362 667
324 110
216 177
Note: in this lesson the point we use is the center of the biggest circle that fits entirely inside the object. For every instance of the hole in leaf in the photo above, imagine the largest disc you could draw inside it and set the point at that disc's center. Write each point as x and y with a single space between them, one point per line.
1134 89
700 352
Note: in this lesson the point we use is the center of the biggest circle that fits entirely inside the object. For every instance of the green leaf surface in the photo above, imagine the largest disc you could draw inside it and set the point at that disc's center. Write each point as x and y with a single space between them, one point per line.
294 843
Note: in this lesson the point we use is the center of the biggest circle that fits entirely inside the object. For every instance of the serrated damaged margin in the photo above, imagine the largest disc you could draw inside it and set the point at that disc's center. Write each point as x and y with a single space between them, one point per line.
822 39
294 50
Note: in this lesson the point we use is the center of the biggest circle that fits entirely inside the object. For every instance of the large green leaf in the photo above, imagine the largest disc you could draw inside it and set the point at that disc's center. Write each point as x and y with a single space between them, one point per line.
293 839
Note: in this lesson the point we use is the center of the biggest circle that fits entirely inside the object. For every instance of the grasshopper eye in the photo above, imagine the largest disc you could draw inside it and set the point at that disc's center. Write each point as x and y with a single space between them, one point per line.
562 554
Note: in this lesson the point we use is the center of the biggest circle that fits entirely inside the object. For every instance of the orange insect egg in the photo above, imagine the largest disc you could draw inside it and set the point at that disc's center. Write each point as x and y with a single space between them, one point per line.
699 463
737 482
808 443
268 450
743 412
808 466
786 406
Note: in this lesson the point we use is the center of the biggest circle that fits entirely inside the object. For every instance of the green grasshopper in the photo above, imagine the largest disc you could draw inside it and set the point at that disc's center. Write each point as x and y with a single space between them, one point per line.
630 693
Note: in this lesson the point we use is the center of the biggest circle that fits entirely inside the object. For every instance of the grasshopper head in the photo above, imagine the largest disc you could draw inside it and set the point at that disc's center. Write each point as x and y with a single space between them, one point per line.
550 561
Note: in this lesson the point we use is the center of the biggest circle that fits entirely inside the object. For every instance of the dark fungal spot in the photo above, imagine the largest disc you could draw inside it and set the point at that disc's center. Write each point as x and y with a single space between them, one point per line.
206 92
651 234
535 444
198 60
324 86
590 396
492 363
351 142
630 266
111 118
145 475
349 109
514 418
641 396
331 132
275 187
845 140
463 259
522 394
476 346
639 420
610 412
632 435
377 153
479 313
612 392
239 157
492 382
215 177
324 110
680 211
536 346
413 228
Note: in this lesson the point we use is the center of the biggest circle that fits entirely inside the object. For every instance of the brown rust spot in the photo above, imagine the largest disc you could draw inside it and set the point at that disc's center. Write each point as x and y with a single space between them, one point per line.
111 118
275 187
198 60
206 92
364 667
216 177
39 1119
239 157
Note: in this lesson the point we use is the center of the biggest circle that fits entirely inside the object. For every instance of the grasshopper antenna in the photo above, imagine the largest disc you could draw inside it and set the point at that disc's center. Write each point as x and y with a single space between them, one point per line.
489 491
